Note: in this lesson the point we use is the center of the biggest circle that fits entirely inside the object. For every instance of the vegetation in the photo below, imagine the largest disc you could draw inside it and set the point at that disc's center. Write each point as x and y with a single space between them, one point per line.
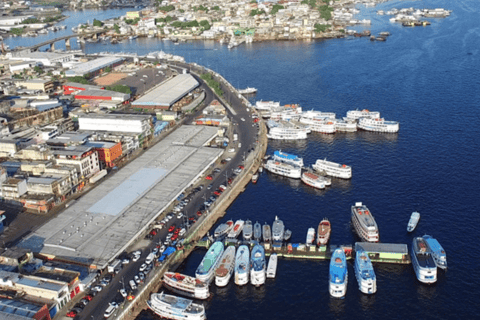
116 28
216 8
166 19
275 8
311 3
166 8
119 88
132 21
17 31
97 23
185 25
321 27
107 69
53 19
207 77
325 12
205 25
17 76
255 12
253 1
38 70
78 79
200 8
31 20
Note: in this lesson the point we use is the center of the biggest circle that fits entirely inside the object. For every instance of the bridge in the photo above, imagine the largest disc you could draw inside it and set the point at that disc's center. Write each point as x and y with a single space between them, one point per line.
52 42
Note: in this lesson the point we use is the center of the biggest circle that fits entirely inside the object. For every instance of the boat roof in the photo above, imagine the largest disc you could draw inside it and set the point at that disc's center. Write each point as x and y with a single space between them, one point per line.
285 155
433 244
365 217
382 247
176 302
211 256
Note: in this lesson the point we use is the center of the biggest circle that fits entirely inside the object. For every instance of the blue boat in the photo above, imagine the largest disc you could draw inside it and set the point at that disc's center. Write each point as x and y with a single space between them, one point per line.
242 265
338 274
257 266
439 255
367 281
288 158
210 262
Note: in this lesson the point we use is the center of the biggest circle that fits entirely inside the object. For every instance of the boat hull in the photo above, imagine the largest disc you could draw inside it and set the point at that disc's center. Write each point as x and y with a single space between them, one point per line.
423 265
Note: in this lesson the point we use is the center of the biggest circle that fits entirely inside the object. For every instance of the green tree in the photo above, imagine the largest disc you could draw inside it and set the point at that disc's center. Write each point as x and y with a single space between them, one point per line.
166 8
205 24
119 88
255 12
97 23
321 27
31 20
107 69
216 8
275 8
78 79
325 12
116 28
38 70
17 31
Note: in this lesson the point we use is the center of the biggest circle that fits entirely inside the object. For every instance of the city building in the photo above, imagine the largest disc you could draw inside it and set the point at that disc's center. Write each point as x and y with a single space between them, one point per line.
94 67
106 95
36 85
140 124
83 158
108 152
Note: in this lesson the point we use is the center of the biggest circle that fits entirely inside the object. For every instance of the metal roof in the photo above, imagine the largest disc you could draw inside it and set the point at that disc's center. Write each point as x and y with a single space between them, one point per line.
168 92
382 247
93 65
102 93
17 309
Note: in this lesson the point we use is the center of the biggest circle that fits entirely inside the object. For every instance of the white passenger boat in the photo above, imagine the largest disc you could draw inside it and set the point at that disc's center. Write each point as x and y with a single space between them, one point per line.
257 266
310 236
412 223
242 265
367 281
378 125
333 169
173 307
237 228
345 125
266 105
267 233
248 230
186 285
422 261
248 90
225 269
365 113
283 169
313 180
278 230
323 232
287 158
257 231
287 133
223 229
338 276
438 254
272 266
210 262
320 125
364 223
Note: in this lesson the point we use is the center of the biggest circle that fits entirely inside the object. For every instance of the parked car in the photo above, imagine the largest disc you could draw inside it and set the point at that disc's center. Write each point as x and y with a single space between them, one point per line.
137 279
143 267
209 177
210 186
123 292
72 314
111 309
97 288
172 227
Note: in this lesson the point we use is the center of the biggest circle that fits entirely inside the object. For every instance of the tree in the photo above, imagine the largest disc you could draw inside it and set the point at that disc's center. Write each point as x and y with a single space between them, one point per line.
116 28
275 8
120 88
78 79
107 69
38 70
97 23
205 25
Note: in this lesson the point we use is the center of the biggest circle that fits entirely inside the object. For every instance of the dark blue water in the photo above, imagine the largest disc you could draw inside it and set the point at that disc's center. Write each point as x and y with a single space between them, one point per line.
428 78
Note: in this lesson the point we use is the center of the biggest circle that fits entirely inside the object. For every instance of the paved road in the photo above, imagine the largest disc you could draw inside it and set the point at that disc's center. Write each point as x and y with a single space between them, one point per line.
247 133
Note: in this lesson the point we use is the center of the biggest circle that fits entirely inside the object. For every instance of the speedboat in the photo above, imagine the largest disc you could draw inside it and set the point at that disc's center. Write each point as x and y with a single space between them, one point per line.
247 230
223 228
338 277
257 231
257 266
242 265
310 236
287 235
367 281
267 233
323 232
412 223
272 266
278 229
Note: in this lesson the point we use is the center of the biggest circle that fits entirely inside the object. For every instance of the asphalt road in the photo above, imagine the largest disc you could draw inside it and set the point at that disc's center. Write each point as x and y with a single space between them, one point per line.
247 133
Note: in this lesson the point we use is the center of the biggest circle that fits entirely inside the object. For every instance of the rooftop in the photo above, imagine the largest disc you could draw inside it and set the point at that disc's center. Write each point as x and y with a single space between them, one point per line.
382 247
101 224
93 65
168 92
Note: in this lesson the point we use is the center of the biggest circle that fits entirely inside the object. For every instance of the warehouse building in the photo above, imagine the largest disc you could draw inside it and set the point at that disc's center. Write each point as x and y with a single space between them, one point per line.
43 58
94 67
71 87
105 95
115 123
166 94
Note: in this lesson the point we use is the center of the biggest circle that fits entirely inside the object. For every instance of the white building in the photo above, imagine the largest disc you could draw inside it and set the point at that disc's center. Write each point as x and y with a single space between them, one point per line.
140 124
83 158
43 58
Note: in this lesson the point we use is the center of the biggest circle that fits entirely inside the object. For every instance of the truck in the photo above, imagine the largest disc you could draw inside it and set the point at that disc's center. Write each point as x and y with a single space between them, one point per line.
235 137
115 266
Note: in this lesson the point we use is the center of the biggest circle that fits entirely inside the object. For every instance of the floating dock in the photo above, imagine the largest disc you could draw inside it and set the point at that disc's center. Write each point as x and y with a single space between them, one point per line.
395 253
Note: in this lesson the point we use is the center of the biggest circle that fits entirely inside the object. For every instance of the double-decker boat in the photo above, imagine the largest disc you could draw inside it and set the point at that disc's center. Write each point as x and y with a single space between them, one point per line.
346 125
439 255
412 223
364 223
237 228
367 281
266 105
312 114
320 125
257 265
186 285
365 113
242 265
225 269
422 261
378 125
278 229
313 180
206 269
333 169
173 307
323 232
283 169
287 133
338 277
287 158
223 229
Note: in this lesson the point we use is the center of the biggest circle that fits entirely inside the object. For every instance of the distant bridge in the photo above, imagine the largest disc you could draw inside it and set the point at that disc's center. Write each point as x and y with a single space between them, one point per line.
52 42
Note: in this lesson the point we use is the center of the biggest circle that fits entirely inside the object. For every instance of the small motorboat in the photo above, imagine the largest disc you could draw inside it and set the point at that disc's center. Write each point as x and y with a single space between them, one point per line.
412 223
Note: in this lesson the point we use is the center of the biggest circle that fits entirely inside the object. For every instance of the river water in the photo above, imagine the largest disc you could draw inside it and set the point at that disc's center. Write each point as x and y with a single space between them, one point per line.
427 78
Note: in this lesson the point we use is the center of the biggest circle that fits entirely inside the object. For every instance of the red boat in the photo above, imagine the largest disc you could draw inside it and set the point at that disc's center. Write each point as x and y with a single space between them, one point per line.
323 232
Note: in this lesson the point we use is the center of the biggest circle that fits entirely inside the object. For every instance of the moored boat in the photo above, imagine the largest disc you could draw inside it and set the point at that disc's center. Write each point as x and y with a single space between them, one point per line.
323 232
367 281
186 285
412 223
288 158
364 223
242 265
283 169
206 269
287 133
313 180
248 90
338 275
267 233
346 125
257 231
237 228
257 266
223 229
272 266
255 178
287 235
320 125
266 105
247 230
438 254
422 261
173 307
310 236
378 125
333 169
365 113
278 229
225 269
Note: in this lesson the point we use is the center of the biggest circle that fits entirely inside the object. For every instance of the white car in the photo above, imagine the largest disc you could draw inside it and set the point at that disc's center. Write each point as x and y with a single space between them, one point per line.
243 119
231 150
179 215
135 258
162 249
123 292
143 267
